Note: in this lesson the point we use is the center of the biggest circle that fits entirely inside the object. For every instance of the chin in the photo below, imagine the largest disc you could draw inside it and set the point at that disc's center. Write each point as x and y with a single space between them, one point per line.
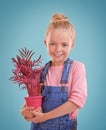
59 61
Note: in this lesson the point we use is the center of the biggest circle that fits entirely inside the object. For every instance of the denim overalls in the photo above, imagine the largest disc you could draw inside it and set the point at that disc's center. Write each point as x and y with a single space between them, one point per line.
54 96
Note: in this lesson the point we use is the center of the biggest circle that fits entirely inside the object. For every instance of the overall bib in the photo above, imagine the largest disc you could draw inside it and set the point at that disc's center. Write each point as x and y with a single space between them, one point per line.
54 96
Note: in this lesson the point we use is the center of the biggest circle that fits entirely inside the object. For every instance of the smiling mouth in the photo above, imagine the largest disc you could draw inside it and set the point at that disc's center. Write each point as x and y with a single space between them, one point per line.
58 55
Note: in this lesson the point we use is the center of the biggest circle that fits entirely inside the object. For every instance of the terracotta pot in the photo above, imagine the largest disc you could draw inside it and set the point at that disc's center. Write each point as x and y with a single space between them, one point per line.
35 101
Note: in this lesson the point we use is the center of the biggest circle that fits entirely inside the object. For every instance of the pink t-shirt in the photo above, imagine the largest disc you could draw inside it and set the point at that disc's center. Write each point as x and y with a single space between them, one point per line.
77 84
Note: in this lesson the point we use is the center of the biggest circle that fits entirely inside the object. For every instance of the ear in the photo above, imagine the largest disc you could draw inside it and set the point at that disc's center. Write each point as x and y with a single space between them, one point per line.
72 46
45 42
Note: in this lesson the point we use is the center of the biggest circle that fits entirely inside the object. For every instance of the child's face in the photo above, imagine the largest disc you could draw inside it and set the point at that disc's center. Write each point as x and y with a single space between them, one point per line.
59 43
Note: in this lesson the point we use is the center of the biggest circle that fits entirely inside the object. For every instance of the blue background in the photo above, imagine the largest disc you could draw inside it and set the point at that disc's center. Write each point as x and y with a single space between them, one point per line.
23 24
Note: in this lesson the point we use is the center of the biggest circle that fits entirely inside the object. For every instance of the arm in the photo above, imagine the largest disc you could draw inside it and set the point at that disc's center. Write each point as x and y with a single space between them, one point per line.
64 109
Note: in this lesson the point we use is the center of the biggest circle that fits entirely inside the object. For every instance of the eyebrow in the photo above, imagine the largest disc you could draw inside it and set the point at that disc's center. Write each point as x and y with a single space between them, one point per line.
59 42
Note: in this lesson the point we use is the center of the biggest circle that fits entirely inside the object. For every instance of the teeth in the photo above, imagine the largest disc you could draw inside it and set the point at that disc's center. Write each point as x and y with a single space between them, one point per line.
57 54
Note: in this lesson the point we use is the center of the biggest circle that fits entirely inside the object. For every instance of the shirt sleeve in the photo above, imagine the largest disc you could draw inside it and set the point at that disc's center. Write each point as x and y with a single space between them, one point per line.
78 91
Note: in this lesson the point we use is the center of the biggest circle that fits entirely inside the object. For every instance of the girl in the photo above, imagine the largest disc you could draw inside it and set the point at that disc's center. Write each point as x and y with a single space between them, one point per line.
63 81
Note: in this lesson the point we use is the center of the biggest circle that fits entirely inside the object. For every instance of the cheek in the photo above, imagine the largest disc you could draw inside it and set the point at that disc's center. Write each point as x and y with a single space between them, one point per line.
49 49
67 50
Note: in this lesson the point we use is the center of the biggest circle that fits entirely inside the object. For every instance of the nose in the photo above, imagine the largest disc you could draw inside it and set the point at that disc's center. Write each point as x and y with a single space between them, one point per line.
58 48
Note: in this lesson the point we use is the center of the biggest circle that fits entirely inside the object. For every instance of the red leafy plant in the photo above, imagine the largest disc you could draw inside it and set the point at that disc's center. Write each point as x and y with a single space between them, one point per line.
27 72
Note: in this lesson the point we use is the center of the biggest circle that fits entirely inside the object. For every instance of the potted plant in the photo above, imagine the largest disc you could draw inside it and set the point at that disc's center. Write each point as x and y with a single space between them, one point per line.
27 74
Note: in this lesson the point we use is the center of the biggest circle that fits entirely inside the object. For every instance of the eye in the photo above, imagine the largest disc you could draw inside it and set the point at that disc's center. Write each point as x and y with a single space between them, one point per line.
52 43
64 44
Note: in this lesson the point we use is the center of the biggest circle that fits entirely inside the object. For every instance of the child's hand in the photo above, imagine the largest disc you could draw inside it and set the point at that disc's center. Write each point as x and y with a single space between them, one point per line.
26 112
39 116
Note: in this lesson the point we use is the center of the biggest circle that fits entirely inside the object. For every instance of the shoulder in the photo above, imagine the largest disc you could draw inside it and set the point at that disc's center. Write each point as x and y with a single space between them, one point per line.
78 66
78 63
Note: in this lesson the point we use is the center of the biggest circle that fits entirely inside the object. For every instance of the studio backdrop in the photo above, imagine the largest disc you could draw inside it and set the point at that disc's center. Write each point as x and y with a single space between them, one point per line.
23 24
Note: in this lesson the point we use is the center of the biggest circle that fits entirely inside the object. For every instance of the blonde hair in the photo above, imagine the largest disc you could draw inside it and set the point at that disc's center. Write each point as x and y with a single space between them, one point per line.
60 21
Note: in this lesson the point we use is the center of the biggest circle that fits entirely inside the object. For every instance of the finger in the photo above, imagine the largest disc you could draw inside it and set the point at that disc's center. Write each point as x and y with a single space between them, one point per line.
39 109
27 119
28 108
33 113
31 108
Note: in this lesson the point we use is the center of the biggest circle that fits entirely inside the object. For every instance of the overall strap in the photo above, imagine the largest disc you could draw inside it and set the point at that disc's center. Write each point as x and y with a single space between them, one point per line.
44 72
66 70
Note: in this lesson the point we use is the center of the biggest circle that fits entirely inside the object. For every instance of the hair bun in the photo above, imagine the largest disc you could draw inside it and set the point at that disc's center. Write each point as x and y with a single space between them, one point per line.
59 18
